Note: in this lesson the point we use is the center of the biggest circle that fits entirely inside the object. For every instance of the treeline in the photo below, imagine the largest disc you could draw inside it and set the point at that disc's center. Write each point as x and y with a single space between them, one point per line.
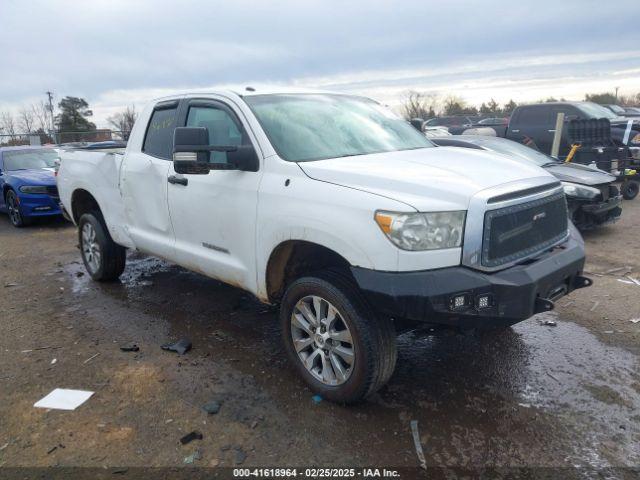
72 117
427 105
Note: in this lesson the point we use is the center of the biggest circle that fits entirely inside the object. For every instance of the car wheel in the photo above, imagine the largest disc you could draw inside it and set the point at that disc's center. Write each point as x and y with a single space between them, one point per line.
103 258
13 208
341 348
630 190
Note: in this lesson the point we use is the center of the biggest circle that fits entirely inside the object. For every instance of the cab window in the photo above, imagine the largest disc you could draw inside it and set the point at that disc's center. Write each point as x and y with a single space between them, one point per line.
158 140
222 127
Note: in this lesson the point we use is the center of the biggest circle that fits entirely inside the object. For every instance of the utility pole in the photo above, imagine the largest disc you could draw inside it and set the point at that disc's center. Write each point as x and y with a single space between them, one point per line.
617 94
50 95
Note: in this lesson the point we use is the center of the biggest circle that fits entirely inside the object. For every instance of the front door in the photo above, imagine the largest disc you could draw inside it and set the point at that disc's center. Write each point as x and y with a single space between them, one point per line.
214 215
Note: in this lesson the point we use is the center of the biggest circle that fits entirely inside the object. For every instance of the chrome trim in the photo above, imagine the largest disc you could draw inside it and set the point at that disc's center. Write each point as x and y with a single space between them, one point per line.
474 227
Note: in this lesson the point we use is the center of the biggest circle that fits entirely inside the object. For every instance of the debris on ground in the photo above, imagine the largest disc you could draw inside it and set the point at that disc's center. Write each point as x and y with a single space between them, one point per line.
8 285
241 456
130 347
119 471
628 282
181 347
4 446
212 407
595 305
316 398
417 444
63 399
549 323
54 361
634 280
197 455
38 348
190 437
635 320
90 358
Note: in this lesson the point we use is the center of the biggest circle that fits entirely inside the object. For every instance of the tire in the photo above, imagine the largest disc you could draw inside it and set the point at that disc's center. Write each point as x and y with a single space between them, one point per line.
630 190
370 339
102 257
13 209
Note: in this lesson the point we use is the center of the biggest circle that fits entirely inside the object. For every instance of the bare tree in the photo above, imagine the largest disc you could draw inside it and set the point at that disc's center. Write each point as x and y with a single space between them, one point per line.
419 105
123 121
7 124
26 120
40 113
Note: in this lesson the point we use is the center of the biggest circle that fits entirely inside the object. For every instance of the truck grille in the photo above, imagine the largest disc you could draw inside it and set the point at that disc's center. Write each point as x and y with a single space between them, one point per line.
518 231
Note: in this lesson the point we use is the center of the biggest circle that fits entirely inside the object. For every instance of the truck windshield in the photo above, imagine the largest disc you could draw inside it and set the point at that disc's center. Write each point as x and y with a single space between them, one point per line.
29 159
305 127
593 110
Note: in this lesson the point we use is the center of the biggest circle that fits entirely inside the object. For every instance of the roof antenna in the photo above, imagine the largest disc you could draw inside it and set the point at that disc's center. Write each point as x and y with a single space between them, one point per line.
250 89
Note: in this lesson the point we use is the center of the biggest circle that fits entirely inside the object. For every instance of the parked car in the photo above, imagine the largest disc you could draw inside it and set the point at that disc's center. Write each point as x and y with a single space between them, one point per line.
499 124
592 196
631 112
28 183
535 124
455 124
354 228
624 111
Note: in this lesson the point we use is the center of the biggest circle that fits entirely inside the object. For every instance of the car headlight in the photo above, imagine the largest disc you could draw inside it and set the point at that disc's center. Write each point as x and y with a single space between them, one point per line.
579 191
423 231
33 189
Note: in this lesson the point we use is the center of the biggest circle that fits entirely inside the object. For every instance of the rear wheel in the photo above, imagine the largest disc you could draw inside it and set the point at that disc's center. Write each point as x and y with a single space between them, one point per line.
338 345
103 258
630 190
13 208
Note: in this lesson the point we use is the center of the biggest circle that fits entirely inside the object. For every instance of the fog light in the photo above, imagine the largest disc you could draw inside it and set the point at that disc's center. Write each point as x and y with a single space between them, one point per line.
459 301
483 301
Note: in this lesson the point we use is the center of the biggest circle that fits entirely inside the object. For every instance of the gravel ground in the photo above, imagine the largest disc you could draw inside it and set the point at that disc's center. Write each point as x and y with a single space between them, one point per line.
533 396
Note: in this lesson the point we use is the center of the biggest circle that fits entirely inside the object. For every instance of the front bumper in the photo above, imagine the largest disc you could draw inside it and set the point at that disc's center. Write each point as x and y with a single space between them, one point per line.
514 294
37 205
592 214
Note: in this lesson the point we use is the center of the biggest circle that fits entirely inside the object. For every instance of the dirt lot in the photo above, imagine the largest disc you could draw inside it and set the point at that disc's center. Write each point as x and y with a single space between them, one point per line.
535 395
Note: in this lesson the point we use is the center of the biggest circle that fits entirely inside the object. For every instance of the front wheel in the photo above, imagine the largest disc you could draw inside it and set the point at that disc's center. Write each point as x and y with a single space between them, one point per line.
103 258
630 190
336 342
13 208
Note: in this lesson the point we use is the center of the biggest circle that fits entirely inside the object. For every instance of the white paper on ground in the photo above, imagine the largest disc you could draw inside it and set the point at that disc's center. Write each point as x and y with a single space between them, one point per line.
64 399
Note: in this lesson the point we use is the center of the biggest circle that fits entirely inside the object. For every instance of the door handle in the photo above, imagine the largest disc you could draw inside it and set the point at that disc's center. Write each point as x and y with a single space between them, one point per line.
516 131
551 131
178 180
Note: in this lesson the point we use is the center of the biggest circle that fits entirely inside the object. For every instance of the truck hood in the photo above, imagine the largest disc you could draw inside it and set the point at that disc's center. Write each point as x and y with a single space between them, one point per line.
38 177
569 172
431 179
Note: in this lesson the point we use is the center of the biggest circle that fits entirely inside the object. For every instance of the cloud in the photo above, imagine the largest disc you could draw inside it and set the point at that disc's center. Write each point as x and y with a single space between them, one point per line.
119 52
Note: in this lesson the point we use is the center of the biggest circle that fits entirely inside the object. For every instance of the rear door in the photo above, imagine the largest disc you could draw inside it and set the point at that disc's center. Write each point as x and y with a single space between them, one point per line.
214 215
532 126
144 183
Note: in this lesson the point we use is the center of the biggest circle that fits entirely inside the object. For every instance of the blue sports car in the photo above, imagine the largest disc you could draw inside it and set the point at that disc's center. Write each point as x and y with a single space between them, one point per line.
28 183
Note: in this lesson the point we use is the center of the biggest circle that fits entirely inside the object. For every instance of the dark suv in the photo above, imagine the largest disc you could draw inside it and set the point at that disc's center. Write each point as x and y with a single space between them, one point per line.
535 124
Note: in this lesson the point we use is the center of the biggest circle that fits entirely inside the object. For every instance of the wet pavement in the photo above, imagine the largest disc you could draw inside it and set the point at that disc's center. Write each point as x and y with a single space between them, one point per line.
533 395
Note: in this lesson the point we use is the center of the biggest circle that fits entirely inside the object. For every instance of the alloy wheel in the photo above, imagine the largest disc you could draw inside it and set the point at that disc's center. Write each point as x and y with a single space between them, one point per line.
322 340
13 209
91 248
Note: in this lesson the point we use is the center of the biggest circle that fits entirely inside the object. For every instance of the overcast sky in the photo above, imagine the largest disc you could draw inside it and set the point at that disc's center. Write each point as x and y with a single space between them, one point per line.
116 52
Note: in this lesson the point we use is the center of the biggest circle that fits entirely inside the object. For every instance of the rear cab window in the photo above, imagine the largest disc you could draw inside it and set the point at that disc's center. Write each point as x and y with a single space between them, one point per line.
534 115
158 140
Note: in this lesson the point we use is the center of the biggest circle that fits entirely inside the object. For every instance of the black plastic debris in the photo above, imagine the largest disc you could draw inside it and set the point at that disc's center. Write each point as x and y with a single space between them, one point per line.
212 407
182 346
190 437
241 456
130 347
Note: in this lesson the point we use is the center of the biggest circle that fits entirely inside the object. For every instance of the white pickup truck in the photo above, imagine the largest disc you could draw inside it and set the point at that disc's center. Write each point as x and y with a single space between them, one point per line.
335 209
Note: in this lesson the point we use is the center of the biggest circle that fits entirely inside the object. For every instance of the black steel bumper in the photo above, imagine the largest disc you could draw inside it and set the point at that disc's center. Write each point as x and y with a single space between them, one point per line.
513 295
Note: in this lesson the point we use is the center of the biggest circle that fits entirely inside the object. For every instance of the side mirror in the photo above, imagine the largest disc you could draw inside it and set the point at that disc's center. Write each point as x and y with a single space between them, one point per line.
191 153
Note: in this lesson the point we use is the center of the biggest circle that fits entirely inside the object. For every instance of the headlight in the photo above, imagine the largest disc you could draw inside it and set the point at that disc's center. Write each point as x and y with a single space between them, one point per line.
422 231
33 189
579 191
